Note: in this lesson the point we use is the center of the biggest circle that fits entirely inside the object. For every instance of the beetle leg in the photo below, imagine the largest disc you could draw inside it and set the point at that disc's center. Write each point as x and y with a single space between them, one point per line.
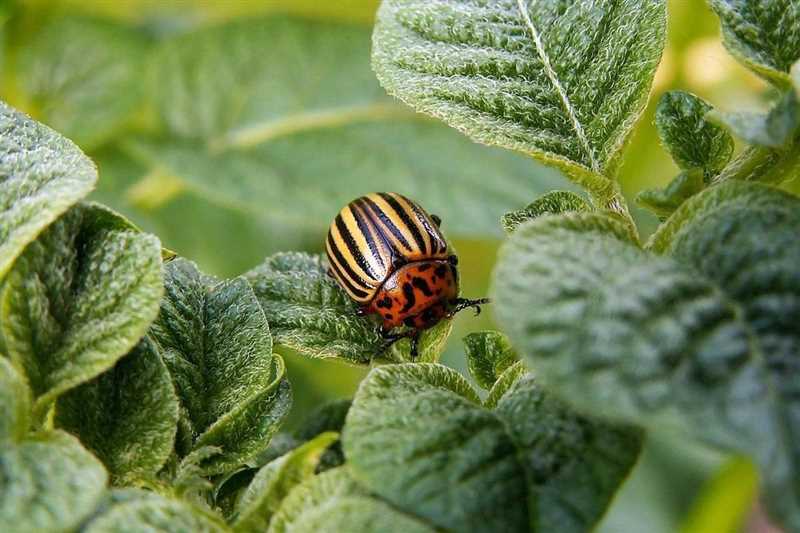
414 345
392 338
437 220
463 303
329 272
361 311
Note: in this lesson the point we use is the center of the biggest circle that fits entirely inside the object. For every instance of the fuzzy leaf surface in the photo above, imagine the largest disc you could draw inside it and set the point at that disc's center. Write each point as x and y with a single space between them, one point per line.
489 354
83 76
574 464
243 139
763 34
748 246
148 512
42 174
437 453
562 81
272 483
334 501
15 403
664 202
553 202
79 298
703 346
693 141
126 416
48 483
216 343
309 312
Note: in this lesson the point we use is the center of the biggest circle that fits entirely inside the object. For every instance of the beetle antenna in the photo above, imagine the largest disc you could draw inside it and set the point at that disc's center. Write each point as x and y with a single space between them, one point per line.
464 303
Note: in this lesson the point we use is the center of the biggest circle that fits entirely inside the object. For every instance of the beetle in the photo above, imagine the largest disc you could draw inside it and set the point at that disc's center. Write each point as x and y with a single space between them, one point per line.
390 257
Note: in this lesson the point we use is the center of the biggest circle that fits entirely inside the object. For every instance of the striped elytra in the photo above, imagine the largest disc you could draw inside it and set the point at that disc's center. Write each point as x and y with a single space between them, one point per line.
390 257
376 233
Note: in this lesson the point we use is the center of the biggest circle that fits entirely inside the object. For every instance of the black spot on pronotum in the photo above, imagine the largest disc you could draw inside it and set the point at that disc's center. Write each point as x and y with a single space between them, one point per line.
441 271
423 268
388 316
384 303
422 285
408 293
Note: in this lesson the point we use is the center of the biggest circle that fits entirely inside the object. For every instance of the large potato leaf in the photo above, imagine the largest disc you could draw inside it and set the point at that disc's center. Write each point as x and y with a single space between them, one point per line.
762 34
709 350
417 436
247 132
217 345
127 416
79 298
48 483
83 76
561 81
41 175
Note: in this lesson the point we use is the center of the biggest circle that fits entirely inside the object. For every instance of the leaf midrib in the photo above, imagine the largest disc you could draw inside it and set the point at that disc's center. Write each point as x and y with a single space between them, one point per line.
553 77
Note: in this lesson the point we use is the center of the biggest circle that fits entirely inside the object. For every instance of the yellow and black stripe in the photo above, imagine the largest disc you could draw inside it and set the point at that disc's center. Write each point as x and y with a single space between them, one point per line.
373 233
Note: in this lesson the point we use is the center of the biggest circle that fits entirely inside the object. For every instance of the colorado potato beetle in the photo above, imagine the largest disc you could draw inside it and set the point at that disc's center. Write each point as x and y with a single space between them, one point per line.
391 258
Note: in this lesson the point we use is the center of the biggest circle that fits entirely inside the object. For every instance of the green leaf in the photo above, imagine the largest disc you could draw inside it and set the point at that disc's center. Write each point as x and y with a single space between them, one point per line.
310 313
83 76
553 202
489 354
561 82
41 175
664 202
693 141
15 403
327 417
333 501
148 512
763 34
272 483
574 464
79 298
127 416
217 345
243 139
417 436
706 348
48 483
775 129
748 247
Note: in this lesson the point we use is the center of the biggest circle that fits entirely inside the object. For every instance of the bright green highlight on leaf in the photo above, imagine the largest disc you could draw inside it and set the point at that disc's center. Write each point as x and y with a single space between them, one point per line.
216 343
488 355
78 299
693 141
41 175
561 82
15 403
127 416
48 483
550 203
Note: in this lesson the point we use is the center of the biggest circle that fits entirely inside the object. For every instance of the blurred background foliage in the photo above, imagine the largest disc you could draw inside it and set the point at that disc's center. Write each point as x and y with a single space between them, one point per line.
236 129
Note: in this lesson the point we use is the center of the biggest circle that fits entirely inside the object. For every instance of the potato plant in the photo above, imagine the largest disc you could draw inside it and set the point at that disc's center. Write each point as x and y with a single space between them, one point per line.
139 393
